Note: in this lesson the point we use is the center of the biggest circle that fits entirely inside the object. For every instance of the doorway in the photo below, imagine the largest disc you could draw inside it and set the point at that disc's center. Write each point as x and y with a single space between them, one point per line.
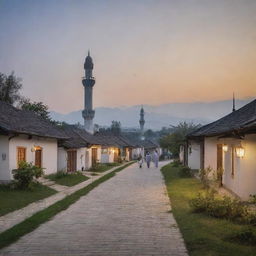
38 157
71 162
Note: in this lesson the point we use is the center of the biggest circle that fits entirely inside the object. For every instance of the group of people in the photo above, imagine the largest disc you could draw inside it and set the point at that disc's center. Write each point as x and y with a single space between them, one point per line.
148 158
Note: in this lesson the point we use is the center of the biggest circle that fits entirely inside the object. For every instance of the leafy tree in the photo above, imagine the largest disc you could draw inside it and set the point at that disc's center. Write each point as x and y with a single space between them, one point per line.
115 127
37 107
174 140
10 87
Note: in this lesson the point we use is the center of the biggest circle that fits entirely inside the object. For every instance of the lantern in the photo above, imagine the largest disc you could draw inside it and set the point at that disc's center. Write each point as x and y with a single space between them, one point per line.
240 151
225 148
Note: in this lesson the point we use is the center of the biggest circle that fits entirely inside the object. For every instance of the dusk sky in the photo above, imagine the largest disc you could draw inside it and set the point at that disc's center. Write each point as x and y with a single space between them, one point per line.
144 51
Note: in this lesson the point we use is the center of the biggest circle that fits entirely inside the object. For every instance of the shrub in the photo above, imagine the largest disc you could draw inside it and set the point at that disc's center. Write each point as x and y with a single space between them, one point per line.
176 163
252 199
185 171
25 174
204 176
223 207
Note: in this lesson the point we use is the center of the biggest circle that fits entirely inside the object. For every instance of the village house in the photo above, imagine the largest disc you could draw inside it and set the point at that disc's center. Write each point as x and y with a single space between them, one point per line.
114 147
80 152
24 136
229 144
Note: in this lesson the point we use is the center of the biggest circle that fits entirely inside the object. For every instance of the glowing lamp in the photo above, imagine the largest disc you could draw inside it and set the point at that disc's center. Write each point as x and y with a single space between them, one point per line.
240 151
225 148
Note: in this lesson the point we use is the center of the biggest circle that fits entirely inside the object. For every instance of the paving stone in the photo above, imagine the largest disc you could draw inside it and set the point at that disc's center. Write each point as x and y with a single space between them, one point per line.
126 215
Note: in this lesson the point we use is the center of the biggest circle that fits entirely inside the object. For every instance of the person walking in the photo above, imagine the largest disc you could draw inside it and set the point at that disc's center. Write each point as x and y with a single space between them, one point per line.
140 161
148 159
156 158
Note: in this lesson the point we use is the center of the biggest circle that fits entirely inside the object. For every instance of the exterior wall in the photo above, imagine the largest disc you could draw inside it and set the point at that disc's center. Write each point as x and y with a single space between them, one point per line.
5 174
181 154
49 152
210 152
193 155
108 157
62 159
136 152
243 182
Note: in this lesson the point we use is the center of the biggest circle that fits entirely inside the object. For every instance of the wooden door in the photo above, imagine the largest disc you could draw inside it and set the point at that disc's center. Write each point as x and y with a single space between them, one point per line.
219 157
202 154
94 156
38 157
71 164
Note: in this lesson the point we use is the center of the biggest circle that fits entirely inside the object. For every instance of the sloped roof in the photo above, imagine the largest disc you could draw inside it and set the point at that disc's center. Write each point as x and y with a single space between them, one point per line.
13 120
242 118
108 139
78 137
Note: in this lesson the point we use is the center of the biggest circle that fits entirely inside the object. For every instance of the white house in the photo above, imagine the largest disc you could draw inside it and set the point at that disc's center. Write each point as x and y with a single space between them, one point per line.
79 152
26 137
230 144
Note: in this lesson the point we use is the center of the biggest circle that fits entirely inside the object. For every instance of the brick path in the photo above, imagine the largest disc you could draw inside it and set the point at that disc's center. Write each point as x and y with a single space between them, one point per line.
9 220
126 215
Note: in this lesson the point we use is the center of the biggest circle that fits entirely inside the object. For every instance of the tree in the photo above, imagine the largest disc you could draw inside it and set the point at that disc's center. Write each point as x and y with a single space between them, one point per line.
115 127
174 140
37 107
10 87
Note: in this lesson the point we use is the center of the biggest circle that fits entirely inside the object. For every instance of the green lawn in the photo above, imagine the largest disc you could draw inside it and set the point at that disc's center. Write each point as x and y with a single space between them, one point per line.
203 235
103 167
67 179
14 199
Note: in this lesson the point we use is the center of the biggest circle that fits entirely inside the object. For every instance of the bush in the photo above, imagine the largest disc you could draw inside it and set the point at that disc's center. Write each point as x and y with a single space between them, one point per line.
252 199
185 172
204 176
176 163
223 207
25 174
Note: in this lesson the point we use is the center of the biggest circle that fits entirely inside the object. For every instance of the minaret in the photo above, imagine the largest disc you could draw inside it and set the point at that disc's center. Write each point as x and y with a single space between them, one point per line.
88 83
142 122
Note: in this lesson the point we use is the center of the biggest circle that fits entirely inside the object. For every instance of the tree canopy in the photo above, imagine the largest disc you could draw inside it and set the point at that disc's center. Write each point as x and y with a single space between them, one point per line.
177 137
10 87
38 108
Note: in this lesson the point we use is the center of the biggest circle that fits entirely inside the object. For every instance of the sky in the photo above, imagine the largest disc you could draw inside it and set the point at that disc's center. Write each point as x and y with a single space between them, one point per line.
144 51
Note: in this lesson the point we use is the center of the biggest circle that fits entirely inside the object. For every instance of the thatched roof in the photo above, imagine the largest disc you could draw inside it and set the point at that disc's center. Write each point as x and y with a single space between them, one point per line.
16 121
238 121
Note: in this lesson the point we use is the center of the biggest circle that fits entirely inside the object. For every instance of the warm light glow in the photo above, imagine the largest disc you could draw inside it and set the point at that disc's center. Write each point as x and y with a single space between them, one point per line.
240 151
225 148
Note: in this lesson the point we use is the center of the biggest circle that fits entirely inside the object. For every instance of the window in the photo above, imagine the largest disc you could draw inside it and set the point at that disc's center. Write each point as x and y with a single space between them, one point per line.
21 154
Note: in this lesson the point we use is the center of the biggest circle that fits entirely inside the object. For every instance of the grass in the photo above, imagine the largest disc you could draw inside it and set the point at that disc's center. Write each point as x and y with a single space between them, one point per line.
67 179
203 235
13 234
103 167
14 199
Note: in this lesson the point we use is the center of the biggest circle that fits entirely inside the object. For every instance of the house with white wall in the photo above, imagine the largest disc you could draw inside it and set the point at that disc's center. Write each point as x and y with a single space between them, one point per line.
230 144
24 136
79 152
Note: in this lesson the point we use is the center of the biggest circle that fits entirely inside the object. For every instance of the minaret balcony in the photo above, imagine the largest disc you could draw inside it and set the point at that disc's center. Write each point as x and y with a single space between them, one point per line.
88 114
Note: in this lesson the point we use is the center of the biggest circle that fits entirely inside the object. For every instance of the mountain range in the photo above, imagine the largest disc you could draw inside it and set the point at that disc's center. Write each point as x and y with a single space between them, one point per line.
157 116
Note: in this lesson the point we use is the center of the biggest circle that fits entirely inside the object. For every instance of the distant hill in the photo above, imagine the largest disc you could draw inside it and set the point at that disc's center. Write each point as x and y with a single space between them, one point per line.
157 116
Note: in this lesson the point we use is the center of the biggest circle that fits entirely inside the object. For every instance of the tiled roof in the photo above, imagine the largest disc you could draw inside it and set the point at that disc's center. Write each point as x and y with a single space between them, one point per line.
78 137
240 119
13 120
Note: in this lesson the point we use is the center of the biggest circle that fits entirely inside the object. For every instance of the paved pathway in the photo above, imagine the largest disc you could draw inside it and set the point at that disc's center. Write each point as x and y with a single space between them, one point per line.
126 215
13 218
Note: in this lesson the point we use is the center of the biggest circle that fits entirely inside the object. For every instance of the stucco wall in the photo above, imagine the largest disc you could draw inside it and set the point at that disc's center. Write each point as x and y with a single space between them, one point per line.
62 159
210 152
49 152
5 174
193 155
243 182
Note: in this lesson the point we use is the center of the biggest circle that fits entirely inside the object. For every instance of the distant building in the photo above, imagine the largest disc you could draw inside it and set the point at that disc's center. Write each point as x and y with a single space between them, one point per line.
88 83
142 123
